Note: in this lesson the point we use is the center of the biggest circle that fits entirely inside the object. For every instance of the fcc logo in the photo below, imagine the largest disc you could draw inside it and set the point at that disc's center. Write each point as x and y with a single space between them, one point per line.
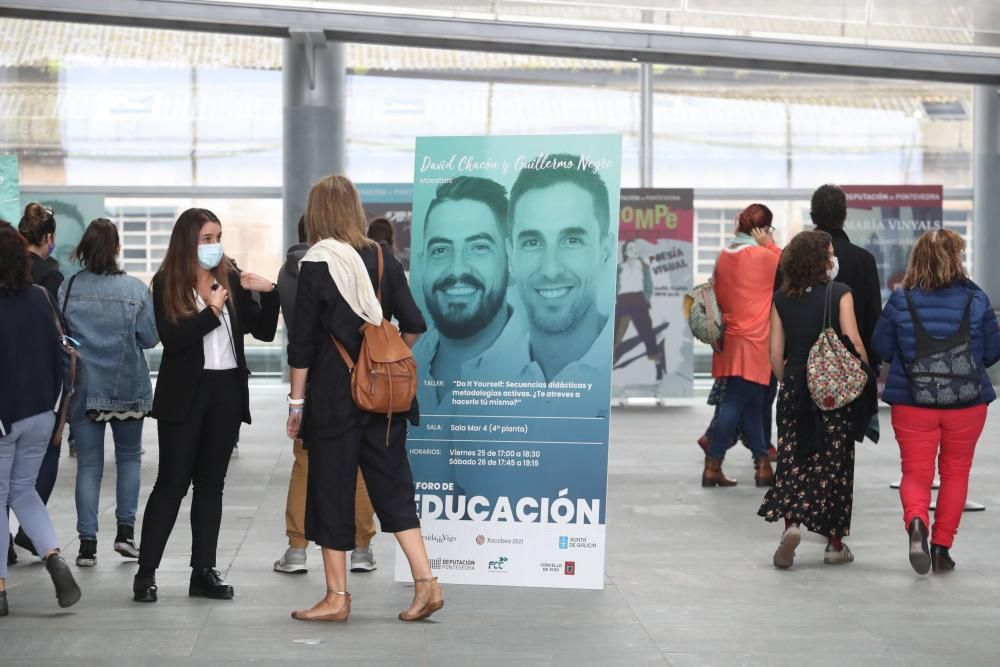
498 564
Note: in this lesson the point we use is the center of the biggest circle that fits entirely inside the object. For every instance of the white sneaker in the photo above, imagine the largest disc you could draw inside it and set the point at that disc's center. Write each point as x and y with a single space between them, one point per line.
784 555
292 562
363 560
833 557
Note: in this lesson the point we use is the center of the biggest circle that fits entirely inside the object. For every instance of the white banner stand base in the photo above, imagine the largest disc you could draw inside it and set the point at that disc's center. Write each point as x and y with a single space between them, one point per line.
970 506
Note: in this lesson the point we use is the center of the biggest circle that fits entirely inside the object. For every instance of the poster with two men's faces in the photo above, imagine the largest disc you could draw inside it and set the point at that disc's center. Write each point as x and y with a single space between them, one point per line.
513 263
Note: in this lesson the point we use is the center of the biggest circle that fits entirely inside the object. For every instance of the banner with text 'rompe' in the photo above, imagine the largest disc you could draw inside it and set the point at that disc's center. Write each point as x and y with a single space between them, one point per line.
514 245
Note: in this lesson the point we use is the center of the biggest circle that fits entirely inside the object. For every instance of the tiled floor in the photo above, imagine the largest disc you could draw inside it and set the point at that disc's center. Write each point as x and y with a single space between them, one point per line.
689 578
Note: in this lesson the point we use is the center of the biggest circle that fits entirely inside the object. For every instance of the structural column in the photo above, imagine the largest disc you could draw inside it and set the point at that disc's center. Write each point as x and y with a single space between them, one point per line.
986 179
646 125
314 112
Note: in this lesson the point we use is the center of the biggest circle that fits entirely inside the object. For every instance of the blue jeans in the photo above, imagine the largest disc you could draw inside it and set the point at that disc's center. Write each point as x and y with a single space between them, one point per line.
89 436
741 410
21 453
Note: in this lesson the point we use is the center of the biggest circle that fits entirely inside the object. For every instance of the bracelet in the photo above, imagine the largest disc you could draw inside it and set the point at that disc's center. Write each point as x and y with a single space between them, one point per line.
298 402
293 410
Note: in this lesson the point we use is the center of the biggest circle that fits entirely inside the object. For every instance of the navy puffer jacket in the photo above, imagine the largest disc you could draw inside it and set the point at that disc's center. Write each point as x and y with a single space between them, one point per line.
941 313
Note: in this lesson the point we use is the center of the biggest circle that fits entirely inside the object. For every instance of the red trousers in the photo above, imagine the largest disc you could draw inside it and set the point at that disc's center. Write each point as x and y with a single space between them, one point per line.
948 436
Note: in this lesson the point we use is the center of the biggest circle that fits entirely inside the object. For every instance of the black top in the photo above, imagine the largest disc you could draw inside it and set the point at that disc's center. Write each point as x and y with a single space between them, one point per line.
184 348
859 272
320 311
45 272
30 370
802 321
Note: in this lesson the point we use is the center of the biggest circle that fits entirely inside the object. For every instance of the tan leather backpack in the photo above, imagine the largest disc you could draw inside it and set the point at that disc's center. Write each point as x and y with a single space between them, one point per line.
384 379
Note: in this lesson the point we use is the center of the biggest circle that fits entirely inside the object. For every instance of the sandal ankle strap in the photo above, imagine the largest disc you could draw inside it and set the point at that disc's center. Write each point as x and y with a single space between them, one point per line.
331 592
425 580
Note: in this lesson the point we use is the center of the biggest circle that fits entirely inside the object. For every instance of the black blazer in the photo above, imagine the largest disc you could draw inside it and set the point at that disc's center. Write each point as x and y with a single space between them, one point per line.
184 352
859 272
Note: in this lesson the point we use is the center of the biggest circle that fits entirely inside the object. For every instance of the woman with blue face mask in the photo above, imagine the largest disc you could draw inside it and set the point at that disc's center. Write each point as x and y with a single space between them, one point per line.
203 307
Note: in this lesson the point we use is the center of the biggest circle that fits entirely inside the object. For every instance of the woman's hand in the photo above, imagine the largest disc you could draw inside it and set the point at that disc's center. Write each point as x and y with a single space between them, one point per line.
762 236
255 283
294 422
217 299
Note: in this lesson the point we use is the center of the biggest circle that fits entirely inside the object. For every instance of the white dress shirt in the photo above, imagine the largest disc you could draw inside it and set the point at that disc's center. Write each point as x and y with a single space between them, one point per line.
220 351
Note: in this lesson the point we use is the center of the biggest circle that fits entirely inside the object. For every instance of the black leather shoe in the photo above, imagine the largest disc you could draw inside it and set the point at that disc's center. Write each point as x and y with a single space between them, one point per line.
3 604
22 540
144 588
67 592
11 554
920 558
208 583
940 559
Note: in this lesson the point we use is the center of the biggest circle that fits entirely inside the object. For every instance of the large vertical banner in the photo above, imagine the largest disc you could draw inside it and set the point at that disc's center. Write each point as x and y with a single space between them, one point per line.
394 202
653 353
513 264
887 220
10 189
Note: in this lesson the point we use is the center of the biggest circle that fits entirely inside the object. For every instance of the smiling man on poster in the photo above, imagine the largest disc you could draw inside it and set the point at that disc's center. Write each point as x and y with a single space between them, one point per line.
464 282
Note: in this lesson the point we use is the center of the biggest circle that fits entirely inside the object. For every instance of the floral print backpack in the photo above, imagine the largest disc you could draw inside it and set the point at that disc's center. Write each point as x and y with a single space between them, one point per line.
835 377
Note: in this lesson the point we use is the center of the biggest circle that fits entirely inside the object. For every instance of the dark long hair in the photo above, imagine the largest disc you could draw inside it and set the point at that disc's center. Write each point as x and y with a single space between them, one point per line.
178 274
754 216
98 248
804 262
15 269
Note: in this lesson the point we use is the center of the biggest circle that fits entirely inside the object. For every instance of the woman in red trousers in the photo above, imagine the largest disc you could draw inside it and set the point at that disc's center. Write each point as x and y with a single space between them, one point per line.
939 334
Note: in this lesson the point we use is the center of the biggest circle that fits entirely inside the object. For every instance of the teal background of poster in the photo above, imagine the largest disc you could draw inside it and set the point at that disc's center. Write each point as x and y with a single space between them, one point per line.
73 213
10 189
551 434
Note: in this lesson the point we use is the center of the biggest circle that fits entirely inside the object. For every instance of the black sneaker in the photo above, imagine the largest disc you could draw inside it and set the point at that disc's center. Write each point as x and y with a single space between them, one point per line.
125 542
11 554
88 553
67 592
22 540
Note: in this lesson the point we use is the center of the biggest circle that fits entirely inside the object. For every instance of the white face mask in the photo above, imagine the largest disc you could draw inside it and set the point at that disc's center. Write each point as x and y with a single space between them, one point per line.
834 270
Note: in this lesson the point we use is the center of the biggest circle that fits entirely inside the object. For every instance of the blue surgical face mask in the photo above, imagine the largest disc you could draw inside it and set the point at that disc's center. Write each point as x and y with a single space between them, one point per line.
209 255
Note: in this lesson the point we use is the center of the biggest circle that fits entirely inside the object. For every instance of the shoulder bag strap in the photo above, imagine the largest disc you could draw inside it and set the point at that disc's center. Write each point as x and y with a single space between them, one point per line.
69 288
828 307
63 410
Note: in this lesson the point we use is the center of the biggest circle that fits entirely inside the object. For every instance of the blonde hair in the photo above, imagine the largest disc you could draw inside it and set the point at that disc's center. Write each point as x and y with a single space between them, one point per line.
334 211
936 261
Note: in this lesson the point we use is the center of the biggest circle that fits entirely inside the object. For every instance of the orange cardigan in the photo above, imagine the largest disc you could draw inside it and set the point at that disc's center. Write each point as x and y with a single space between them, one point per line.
744 287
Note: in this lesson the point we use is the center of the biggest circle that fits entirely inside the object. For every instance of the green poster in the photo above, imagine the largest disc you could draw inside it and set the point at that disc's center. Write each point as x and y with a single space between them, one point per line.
10 191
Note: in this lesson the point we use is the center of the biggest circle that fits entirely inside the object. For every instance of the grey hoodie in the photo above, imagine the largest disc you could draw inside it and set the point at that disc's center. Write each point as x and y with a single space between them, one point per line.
288 282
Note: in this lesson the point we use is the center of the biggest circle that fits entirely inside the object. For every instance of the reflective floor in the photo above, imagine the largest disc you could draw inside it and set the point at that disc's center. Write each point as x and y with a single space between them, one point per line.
689 578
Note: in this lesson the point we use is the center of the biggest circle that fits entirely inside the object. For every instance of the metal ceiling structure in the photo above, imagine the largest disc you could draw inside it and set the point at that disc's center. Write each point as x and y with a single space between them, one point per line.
637 44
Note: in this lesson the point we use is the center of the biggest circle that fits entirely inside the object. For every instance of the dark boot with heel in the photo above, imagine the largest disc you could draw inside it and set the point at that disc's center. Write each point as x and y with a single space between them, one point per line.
940 559
763 475
67 592
920 558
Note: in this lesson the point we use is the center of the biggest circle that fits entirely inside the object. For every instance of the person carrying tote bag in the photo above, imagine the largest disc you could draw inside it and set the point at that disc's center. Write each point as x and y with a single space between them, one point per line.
939 335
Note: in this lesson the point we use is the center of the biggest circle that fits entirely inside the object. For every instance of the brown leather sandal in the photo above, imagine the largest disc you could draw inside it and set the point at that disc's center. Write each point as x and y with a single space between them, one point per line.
337 617
435 603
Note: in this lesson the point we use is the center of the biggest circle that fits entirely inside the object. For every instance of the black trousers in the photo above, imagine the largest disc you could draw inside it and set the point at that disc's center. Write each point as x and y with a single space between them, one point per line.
333 470
194 452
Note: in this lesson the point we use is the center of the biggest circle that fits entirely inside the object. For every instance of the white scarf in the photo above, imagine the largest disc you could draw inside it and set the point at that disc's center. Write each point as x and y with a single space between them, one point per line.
350 275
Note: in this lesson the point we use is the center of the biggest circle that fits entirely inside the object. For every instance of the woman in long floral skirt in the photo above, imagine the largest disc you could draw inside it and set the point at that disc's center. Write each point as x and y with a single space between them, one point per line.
814 485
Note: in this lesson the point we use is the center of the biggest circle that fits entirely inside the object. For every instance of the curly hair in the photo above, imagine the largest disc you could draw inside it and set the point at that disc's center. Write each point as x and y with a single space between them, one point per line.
828 207
15 268
804 262
936 261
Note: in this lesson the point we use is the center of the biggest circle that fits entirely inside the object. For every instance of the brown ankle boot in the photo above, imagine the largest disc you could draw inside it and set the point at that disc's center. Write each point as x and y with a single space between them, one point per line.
763 475
713 475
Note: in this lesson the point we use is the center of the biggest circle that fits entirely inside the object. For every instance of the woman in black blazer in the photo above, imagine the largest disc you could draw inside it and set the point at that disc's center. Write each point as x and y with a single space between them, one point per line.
204 307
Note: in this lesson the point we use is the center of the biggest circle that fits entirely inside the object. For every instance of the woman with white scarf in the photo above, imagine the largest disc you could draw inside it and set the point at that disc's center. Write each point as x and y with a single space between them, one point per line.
336 296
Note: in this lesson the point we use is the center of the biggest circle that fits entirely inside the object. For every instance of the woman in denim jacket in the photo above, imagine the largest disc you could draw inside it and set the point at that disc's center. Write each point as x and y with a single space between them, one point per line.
111 316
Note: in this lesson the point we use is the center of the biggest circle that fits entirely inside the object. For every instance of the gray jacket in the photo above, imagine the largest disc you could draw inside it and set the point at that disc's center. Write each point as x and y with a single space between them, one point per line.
111 316
288 282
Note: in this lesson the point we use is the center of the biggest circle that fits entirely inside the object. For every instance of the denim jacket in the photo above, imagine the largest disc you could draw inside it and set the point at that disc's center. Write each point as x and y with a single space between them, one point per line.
111 316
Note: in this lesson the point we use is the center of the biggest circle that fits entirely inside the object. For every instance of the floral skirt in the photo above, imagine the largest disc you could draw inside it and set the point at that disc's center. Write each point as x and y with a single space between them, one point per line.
816 491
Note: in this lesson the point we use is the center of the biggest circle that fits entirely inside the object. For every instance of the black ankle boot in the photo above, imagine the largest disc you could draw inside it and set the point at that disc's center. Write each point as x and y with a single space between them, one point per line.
920 558
144 588
22 540
208 583
67 591
11 554
940 559
3 604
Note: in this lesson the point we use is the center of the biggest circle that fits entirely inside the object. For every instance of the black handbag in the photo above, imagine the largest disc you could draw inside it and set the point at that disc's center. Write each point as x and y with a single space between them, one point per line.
71 367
